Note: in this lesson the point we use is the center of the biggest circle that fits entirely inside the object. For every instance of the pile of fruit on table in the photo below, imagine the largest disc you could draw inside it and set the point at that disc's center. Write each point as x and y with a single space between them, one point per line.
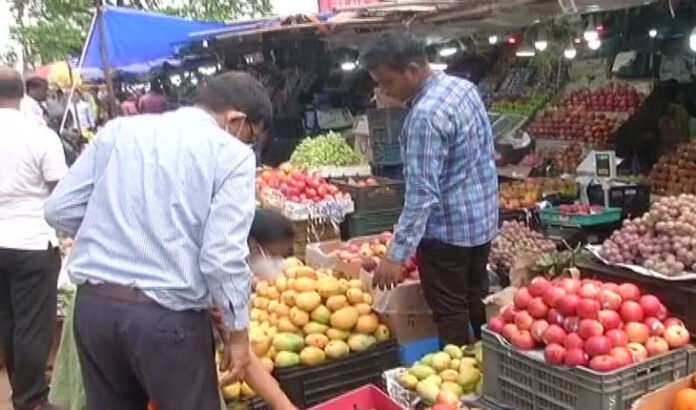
610 98
308 317
575 124
515 240
526 194
580 209
675 173
588 323
523 104
567 160
296 185
329 149
663 239
453 372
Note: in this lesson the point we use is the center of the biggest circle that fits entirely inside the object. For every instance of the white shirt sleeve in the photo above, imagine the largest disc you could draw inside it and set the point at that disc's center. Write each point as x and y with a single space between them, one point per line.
53 165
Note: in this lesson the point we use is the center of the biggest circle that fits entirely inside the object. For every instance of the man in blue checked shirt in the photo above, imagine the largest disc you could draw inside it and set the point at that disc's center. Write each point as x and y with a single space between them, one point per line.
450 212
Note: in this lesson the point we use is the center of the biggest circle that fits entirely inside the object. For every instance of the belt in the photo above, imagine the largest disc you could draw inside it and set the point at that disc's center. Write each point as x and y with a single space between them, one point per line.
117 292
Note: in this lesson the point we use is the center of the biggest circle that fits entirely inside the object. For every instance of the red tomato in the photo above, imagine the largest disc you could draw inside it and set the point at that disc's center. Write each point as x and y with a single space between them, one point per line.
323 190
266 175
294 198
301 185
311 193
333 189
303 197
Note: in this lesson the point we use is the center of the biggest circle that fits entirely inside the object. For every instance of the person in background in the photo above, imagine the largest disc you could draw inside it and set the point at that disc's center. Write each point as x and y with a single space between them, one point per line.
81 113
450 212
160 207
128 105
55 108
154 102
31 163
32 104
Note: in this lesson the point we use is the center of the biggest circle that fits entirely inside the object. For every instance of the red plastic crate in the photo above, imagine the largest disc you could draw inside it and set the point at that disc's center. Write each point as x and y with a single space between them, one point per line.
365 398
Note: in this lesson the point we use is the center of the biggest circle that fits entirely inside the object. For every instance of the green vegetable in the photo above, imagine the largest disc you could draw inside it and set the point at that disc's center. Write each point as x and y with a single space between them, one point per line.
328 149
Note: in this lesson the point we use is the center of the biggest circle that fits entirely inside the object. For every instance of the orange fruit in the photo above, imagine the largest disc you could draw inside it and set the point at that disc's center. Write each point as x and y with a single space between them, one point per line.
685 399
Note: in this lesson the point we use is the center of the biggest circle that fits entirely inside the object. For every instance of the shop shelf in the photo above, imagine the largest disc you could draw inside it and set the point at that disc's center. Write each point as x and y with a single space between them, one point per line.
309 386
388 194
513 379
369 223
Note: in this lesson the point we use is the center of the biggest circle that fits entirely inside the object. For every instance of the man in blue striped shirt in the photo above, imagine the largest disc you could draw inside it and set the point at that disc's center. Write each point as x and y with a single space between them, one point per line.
160 207
450 212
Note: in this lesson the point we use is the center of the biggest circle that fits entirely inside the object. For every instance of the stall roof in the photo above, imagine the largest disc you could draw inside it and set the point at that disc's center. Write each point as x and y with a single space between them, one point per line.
255 26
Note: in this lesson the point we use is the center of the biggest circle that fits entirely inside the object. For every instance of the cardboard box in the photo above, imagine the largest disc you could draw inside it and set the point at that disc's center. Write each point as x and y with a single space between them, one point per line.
662 398
319 255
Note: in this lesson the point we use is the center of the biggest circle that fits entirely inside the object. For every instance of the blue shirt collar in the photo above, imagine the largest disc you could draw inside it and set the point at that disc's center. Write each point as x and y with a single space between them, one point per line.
427 84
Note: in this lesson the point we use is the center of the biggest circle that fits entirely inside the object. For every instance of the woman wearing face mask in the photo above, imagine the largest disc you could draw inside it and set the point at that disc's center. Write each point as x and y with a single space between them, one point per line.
270 240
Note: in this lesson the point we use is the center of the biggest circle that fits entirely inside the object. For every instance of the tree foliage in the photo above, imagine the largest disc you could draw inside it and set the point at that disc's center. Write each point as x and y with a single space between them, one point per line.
51 30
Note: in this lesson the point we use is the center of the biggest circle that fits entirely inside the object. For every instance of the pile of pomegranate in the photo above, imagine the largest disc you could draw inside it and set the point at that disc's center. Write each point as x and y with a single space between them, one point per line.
514 240
675 173
603 326
610 98
663 239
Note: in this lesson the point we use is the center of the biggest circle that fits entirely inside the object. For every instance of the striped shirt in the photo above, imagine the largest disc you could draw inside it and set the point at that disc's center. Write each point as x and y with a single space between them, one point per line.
163 203
449 169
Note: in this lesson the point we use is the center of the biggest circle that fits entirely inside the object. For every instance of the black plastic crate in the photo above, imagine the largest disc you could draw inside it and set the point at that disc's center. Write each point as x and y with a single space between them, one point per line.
575 235
388 194
309 386
386 154
634 200
517 380
388 171
385 124
679 297
369 223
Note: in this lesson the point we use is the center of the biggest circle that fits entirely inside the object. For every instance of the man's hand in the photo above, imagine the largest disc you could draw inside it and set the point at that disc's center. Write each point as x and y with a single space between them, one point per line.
235 356
388 274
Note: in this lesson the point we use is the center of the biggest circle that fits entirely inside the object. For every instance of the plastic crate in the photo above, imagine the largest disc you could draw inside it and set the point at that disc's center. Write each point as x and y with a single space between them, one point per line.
386 154
520 381
388 171
388 194
309 386
255 403
365 398
411 352
634 200
574 235
369 223
679 297
554 217
385 124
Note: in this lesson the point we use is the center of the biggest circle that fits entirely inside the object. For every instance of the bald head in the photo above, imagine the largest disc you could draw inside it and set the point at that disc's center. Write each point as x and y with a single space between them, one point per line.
11 87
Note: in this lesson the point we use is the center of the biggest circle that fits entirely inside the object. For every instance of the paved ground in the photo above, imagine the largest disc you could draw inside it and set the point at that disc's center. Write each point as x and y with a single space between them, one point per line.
4 392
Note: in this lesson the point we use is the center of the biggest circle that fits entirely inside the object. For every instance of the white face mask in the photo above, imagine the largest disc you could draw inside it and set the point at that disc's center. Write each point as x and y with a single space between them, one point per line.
266 267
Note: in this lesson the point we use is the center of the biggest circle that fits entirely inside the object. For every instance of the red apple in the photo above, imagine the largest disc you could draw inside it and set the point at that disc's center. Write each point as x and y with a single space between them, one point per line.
554 334
574 340
571 324
609 319
597 345
657 328
662 313
632 312
555 354
610 300
618 338
508 314
650 304
522 298
676 336
603 363
611 286
568 305
571 286
538 286
589 291
523 340
555 317
622 356
553 295
537 308
576 357
496 324
510 331
524 320
637 332
638 351
629 291
538 329
589 328
656 345
673 321
588 308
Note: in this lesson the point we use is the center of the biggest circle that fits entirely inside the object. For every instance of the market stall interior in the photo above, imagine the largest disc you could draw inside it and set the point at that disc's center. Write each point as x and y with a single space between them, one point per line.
593 268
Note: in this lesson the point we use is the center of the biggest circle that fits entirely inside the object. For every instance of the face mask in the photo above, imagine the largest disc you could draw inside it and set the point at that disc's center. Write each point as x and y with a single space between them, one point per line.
266 267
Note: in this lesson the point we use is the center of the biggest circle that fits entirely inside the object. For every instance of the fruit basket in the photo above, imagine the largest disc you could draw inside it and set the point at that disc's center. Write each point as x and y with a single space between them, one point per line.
586 217
522 381
374 193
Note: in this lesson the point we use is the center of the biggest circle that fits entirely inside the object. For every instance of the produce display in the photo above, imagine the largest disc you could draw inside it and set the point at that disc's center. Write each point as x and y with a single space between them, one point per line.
368 253
613 97
329 149
685 399
575 124
526 194
567 159
453 372
362 182
588 323
663 239
307 317
296 185
580 209
675 173
514 240
522 105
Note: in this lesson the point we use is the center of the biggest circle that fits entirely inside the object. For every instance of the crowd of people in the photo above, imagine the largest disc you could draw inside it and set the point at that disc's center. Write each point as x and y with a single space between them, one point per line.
163 215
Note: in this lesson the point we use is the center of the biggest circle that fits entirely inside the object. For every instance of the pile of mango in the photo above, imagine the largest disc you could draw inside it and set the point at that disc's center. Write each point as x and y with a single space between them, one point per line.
308 316
454 369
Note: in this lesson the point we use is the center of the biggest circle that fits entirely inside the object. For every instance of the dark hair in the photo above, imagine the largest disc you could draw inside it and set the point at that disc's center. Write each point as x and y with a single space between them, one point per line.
395 50
271 227
34 83
236 90
11 85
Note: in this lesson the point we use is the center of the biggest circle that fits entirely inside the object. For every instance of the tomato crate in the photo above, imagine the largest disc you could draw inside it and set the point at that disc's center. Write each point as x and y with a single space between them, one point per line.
385 124
387 194
521 380
679 296
369 223
553 216
309 386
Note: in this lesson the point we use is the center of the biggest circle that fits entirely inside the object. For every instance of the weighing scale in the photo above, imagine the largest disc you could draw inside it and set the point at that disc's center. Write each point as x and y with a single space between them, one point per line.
597 166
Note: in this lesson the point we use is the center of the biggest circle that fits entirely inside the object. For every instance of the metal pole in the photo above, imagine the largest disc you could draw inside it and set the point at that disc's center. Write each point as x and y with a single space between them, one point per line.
105 62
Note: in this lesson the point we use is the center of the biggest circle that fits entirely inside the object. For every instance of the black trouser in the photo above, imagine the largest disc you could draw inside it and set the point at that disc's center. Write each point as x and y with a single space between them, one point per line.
133 350
28 281
454 281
